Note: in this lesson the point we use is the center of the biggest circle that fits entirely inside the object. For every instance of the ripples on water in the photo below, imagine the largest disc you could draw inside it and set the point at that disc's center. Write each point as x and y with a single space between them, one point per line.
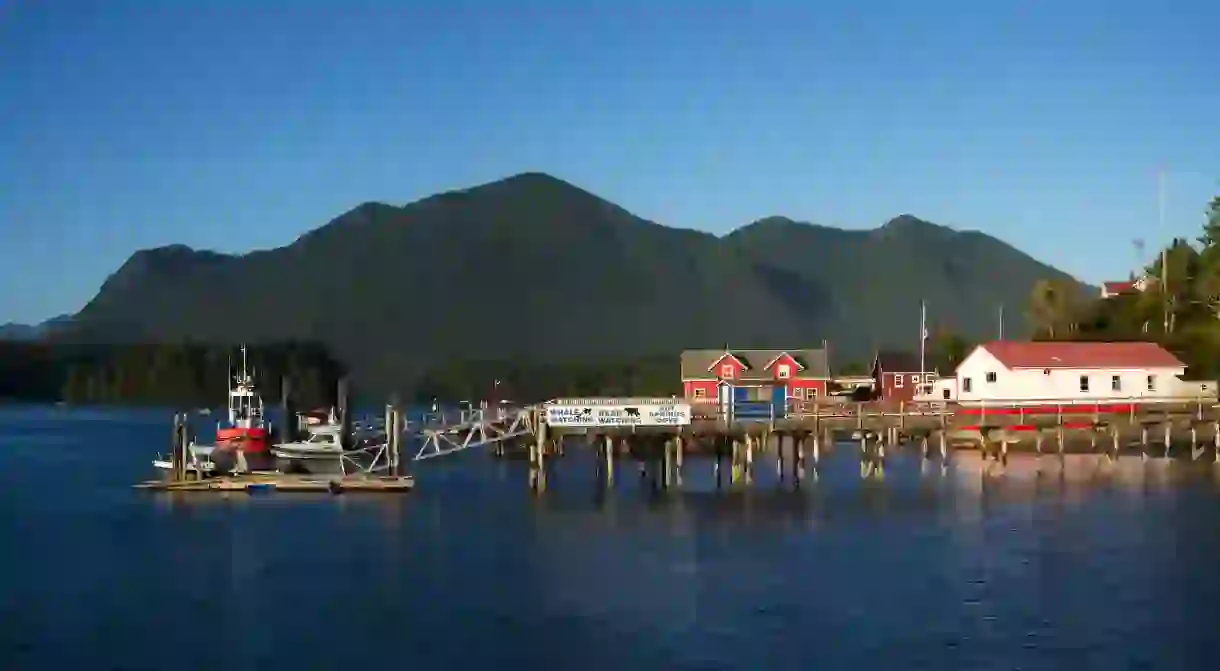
1089 566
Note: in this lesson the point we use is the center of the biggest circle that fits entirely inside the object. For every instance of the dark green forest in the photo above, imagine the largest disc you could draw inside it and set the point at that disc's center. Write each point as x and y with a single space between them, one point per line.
183 374
194 374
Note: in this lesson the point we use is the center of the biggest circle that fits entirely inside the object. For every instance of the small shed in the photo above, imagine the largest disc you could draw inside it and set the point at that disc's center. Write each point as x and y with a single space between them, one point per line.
899 376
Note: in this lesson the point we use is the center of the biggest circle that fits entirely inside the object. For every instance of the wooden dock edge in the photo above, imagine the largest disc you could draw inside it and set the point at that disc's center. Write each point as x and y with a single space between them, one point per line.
284 483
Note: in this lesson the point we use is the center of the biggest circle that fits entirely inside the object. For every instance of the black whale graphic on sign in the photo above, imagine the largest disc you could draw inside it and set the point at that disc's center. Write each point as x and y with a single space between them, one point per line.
631 412
586 412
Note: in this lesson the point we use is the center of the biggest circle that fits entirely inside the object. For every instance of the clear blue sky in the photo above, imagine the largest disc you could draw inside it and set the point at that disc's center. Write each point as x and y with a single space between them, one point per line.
240 124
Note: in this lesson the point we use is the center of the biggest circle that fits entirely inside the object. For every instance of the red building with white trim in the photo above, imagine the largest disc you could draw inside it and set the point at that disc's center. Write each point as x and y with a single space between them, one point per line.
897 376
711 376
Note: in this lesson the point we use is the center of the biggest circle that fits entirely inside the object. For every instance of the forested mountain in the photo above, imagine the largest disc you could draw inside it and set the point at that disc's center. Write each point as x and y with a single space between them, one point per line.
532 268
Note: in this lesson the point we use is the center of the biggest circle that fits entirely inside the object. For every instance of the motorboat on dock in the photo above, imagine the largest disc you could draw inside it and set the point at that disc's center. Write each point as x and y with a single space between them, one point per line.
323 451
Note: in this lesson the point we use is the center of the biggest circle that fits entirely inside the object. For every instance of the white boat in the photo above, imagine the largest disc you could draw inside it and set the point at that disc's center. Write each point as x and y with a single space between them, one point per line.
322 453
323 443
199 459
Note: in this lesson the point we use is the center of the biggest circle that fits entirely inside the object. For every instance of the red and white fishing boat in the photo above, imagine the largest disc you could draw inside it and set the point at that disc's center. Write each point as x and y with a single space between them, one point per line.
246 425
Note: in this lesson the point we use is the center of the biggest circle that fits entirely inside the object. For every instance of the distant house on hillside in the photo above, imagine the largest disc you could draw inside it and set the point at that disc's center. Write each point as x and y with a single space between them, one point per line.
745 375
1033 373
1112 289
899 376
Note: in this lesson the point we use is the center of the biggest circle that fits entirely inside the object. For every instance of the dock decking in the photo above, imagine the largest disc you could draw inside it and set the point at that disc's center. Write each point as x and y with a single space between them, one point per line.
280 482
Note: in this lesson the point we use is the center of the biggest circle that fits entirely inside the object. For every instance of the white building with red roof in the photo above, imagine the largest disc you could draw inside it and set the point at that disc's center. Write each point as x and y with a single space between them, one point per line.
1032 373
1112 289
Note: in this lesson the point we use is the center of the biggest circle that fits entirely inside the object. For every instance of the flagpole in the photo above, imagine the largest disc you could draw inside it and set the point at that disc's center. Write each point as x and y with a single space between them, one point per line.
923 334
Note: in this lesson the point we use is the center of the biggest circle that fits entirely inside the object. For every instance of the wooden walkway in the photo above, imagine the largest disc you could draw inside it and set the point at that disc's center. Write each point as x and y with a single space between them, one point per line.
280 482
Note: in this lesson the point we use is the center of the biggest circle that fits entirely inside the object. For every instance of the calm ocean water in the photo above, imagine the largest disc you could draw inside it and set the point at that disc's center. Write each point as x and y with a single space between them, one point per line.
1098 568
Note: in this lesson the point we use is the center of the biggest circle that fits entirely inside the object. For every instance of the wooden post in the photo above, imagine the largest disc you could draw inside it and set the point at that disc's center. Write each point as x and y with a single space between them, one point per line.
798 463
609 460
680 446
176 455
750 442
779 454
287 412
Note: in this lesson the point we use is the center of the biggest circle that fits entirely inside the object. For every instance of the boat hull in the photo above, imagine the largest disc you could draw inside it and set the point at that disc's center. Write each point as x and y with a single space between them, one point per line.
253 440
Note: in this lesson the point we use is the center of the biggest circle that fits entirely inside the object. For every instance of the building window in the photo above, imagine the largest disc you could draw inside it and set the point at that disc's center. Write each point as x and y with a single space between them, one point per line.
990 377
1151 383
1116 383
700 393
784 371
726 370
966 384
798 394
945 393
898 381
915 379
811 393
1084 383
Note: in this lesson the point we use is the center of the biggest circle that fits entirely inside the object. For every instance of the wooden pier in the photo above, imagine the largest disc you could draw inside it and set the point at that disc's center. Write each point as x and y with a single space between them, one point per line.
798 439
282 482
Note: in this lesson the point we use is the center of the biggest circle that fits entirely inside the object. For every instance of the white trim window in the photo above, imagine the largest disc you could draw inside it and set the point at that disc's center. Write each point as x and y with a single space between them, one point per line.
990 376
1151 383
727 370
898 380
700 393
783 371
1084 384
915 380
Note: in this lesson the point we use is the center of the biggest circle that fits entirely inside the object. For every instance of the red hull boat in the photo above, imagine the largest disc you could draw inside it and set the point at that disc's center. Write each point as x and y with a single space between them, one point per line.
247 426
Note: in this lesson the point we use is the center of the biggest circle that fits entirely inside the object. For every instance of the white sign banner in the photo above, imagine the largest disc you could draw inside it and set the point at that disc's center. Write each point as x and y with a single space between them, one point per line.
592 415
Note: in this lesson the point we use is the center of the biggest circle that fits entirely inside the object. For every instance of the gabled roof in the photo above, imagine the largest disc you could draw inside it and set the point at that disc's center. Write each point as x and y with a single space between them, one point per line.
1014 354
777 357
697 364
728 355
893 361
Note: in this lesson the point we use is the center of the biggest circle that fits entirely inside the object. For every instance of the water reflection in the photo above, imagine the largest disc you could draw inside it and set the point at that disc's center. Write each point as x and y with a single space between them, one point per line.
958 565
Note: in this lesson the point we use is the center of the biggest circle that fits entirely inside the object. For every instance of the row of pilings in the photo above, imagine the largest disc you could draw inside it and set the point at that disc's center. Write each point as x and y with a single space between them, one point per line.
660 458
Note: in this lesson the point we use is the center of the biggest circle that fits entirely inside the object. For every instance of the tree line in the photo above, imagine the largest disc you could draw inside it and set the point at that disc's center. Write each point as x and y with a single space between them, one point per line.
185 374
190 374
1177 303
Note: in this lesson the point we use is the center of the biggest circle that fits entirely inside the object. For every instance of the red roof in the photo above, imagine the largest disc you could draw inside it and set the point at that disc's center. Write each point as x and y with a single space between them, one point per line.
1118 287
1081 354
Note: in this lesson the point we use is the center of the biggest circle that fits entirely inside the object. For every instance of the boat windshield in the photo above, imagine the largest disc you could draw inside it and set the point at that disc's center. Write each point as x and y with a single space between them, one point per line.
321 438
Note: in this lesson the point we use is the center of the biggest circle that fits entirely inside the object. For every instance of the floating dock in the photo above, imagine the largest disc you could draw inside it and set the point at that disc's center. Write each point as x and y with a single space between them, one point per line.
281 482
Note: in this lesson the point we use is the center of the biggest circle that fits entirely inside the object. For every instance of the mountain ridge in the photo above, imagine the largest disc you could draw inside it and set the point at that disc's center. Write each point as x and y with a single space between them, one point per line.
534 267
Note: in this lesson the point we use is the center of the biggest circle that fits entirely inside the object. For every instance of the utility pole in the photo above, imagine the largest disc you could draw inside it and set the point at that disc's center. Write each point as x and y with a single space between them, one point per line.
1164 251
1001 319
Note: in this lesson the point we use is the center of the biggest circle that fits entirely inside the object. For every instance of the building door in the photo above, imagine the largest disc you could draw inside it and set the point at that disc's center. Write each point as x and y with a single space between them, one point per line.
779 400
725 391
